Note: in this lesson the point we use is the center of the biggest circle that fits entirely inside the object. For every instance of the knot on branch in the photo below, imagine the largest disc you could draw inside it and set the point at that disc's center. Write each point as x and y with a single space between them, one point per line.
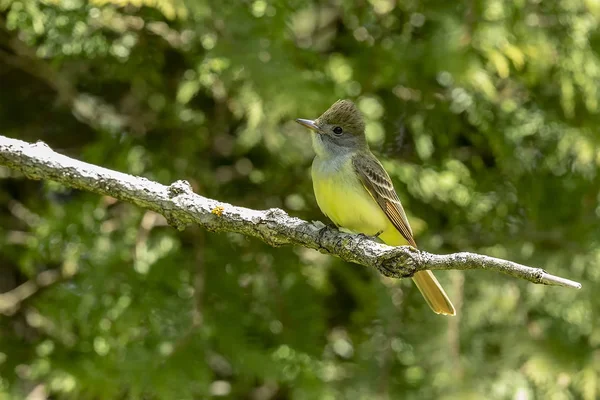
178 188
401 262
268 227
275 213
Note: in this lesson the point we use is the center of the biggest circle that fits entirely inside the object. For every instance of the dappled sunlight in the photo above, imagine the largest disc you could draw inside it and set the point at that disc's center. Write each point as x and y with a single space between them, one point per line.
485 115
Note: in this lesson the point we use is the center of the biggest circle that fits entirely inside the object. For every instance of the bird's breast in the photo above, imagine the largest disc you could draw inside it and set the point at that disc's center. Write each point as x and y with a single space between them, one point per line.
342 197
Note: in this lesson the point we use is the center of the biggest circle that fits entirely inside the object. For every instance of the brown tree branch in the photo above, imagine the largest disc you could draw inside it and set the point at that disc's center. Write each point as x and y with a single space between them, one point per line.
181 206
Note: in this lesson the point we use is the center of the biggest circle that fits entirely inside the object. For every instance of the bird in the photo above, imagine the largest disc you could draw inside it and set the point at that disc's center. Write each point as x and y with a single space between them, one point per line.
355 192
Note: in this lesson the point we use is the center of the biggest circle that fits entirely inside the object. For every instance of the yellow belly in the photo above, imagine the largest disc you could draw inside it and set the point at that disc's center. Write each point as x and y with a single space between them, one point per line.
342 197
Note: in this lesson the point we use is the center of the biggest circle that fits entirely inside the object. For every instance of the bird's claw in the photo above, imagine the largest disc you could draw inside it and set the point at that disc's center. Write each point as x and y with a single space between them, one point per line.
375 236
324 229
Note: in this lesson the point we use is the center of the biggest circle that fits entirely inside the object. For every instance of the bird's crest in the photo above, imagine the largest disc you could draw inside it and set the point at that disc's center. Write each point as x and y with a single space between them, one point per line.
345 114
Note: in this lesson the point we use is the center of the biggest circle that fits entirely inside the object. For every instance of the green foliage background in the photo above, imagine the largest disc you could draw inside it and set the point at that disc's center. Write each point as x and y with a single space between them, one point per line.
485 113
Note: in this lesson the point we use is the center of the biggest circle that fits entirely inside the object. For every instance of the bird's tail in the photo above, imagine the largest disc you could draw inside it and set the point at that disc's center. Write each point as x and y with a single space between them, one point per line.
433 293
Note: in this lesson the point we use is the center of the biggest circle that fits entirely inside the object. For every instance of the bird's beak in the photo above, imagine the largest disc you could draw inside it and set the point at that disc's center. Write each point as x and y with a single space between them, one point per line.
308 123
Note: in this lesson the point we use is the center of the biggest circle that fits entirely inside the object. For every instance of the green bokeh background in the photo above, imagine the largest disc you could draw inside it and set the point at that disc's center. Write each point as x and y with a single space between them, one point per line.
484 112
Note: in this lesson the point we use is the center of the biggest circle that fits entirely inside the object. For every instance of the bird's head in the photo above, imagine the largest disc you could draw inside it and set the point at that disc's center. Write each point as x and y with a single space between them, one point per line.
340 129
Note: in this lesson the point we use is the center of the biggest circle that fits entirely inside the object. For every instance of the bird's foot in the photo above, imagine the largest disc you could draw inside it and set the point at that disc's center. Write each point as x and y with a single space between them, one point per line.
374 237
324 228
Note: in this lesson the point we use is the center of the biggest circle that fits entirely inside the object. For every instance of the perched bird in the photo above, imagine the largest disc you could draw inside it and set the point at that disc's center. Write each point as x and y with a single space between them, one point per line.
353 189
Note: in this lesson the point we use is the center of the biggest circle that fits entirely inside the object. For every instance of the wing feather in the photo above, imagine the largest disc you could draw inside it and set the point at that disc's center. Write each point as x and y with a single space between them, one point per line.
378 183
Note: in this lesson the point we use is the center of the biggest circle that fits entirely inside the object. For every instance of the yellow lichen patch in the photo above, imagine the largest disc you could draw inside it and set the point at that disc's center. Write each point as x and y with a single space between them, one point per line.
218 211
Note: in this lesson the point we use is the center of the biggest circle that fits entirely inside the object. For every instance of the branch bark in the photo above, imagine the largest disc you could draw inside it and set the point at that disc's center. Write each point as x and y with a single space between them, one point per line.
181 207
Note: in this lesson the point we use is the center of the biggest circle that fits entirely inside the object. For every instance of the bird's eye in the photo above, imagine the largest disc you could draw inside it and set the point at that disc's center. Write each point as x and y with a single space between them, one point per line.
338 130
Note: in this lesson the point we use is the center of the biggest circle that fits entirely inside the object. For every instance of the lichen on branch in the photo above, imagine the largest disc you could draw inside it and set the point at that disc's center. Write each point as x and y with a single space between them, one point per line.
181 206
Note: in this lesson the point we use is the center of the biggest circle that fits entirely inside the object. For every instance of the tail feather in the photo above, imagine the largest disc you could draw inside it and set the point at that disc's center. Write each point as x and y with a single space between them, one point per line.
433 293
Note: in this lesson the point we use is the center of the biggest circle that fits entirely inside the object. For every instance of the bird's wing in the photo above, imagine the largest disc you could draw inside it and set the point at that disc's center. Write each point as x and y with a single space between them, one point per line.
379 185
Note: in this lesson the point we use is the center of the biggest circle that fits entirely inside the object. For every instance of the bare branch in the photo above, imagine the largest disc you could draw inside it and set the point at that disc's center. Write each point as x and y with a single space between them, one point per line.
180 206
